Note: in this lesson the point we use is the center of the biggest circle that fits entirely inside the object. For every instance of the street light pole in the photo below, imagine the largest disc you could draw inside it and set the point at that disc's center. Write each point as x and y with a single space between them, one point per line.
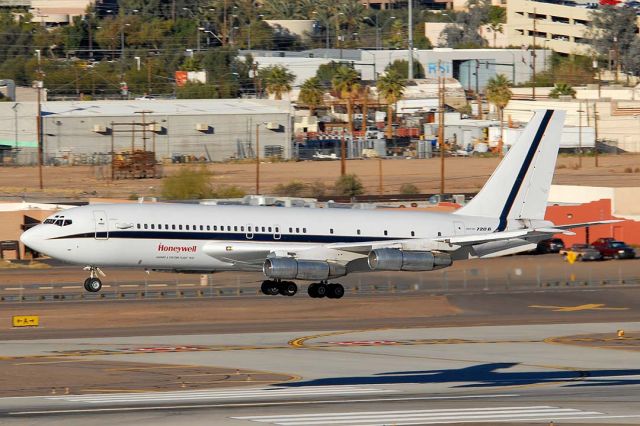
410 43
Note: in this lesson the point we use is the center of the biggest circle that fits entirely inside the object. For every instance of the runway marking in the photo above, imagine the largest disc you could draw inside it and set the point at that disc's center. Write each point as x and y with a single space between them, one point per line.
13 288
46 287
587 307
71 286
300 341
260 404
157 285
409 417
216 394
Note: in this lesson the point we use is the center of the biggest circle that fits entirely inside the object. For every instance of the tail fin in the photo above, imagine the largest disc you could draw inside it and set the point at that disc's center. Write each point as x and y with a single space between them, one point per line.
519 187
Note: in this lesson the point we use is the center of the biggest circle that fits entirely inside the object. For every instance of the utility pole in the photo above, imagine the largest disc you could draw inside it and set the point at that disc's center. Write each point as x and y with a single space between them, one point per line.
595 122
39 84
441 124
380 179
410 44
580 134
258 158
533 56
343 155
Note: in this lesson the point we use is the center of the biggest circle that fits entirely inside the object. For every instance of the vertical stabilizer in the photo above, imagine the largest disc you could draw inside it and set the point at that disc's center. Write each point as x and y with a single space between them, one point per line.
519 187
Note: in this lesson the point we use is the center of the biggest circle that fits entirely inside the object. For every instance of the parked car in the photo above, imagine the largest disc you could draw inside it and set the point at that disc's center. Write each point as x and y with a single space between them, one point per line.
610 247
582 252
552 245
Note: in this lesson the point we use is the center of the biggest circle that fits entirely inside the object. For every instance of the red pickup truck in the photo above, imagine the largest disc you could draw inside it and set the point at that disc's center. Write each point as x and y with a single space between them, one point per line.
610 247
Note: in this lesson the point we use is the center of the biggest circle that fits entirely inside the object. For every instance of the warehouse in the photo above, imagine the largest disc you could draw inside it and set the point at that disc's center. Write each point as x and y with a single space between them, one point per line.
177 130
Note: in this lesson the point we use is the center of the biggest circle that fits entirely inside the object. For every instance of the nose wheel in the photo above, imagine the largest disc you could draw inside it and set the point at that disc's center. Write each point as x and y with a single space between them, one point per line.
93 283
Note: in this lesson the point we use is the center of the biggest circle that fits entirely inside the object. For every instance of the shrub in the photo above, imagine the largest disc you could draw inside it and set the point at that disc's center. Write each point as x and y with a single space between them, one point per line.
295 188
349 185
189 183
228 191
409 189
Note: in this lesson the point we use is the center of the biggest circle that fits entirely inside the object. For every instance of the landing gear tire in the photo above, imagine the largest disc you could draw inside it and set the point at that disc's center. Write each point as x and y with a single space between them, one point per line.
288 288
335 291
320 290
92 285
270 288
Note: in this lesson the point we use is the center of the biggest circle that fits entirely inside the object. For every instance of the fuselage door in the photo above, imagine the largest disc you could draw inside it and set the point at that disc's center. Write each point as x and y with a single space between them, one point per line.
276 232
102 225
249 233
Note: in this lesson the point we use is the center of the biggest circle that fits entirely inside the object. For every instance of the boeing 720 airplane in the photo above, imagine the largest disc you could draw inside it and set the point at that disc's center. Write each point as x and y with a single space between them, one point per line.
317 245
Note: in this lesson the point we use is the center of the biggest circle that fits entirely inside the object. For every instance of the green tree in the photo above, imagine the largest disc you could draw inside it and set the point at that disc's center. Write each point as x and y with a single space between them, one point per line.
401 66
349 185
497 17
613 29
409 189
197 91
311 94
498 92
346 83
391 87
326 72
562 89
464 33
277 80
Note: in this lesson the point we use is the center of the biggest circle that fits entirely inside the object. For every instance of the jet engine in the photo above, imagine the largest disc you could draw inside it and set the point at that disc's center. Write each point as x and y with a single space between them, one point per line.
388 259
287 268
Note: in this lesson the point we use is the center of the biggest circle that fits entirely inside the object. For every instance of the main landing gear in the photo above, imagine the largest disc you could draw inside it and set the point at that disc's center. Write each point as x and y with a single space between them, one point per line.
322 289
273 288
93 283
316 290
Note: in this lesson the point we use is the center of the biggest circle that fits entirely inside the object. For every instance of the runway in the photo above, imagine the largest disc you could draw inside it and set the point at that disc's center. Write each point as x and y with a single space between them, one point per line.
507 354
393 376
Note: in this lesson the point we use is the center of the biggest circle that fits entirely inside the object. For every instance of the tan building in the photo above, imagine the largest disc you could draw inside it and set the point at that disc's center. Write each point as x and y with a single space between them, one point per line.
559 28
432 31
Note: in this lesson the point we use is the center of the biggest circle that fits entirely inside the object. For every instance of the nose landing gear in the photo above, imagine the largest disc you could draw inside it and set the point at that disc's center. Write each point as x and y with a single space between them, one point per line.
93 283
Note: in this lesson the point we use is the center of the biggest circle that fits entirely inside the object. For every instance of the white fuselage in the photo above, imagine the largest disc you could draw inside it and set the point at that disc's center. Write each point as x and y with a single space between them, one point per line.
191 237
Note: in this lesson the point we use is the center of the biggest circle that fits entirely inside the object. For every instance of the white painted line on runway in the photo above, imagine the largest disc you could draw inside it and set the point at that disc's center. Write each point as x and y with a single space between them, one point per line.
13 288
157 285
208 394
46 287
528 419
71 286
253 404
426 416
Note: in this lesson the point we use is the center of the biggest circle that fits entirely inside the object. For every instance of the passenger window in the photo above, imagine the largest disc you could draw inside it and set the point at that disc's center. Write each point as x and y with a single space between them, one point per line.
439 234
186 227
173 227
331 231
201 228
249 229
297 230
137 226
208 227
277 229
358 232
242 228
386 232
263 229
304 230
166 226
228 228
153 226
269 229
291 230
235 228
413 234
145 226
180 227
159 226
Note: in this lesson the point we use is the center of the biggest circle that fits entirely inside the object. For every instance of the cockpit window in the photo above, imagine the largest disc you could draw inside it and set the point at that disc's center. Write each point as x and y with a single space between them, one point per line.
58 222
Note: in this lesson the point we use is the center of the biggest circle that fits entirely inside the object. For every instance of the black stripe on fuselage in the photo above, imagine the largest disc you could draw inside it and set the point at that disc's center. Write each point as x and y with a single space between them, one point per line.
220 236
517 184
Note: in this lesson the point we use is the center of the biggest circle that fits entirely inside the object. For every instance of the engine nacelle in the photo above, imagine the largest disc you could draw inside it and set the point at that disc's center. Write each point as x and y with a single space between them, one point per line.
288 268
388 259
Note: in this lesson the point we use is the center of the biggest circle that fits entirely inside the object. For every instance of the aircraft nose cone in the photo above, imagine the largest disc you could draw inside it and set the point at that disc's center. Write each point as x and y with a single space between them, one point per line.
31 239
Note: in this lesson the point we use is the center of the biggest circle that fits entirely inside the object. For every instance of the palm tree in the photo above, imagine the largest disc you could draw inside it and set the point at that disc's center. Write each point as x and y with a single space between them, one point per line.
391 87
346 83
562 89
311 94
277 80
499 94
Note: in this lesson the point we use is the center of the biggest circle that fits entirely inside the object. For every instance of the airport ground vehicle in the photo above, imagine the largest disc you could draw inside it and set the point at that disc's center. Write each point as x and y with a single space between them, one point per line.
552 245
610 247
581 252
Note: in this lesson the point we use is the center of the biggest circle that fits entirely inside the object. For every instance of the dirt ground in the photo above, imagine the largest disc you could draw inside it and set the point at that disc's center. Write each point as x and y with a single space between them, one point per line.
462 174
